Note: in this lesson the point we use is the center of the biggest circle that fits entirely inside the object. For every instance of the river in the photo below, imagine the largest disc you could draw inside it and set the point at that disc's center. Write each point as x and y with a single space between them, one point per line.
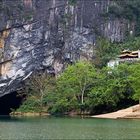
67 128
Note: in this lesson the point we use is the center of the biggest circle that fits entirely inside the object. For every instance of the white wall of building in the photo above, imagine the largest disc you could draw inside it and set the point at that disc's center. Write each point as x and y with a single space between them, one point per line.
113 63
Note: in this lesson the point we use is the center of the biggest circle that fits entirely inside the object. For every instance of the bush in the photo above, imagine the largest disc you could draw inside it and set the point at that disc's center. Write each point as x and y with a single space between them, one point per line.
31 104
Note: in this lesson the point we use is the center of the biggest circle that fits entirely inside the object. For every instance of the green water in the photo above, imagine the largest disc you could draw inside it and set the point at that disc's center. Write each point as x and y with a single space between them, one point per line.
68 128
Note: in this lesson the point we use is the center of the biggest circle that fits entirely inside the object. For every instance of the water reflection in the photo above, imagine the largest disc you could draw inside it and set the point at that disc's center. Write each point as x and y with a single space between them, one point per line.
67 128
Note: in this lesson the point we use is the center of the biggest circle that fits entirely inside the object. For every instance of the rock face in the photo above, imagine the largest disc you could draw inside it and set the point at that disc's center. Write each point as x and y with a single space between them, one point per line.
47 34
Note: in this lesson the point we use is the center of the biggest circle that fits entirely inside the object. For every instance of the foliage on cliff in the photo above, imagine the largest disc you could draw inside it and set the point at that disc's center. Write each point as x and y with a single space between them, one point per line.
127 9
131 44
105 51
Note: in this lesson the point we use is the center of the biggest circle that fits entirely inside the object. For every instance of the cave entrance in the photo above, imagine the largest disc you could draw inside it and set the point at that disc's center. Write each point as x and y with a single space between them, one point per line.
8 102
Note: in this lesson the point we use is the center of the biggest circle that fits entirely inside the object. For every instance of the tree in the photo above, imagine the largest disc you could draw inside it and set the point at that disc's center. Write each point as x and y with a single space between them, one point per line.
105 51
38 86
72 88
111 89
135 80
37 89
78 78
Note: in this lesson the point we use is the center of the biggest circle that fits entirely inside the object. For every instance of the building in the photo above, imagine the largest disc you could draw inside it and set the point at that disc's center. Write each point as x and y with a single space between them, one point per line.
125 56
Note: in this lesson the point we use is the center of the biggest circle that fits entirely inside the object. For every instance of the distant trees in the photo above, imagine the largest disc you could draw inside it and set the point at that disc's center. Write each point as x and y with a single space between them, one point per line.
105 51
131 44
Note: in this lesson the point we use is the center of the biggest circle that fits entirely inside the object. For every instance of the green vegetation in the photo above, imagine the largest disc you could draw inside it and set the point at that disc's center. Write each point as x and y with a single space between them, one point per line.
132 44
105 51
28 16
82 88
72 88
37 89
72 2
135 80
127 9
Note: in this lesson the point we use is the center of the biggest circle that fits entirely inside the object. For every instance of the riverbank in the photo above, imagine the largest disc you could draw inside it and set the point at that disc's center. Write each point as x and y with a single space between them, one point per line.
29 114
132 112
36 114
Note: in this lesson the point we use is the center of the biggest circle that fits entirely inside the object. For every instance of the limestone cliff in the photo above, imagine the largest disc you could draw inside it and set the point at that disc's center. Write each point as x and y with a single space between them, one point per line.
46 34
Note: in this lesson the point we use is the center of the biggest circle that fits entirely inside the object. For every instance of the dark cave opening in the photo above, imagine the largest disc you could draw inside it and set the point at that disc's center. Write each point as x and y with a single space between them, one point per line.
8 102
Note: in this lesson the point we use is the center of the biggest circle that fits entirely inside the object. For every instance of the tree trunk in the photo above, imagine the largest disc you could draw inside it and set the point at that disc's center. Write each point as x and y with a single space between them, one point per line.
82 98
139 104
82 95
83 91
41 99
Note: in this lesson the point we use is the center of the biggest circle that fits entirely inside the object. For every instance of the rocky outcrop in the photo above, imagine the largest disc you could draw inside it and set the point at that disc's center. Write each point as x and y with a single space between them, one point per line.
47 34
